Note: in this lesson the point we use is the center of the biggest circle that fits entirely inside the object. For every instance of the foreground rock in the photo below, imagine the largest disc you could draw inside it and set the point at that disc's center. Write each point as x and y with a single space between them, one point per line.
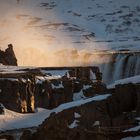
6 137
96 119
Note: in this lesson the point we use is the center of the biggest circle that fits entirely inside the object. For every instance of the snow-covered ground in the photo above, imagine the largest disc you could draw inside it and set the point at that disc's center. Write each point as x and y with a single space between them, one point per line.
134 79
12 120
136 128
41 28
58 73
48 74
131 138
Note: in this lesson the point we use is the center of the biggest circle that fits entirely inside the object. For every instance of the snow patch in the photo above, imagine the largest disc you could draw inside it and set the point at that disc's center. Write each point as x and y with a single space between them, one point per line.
78 95
58 73
92 75
134 80
96 123
136 128
80 102
10 79
57 86
85 87
73 124
77 115
132 138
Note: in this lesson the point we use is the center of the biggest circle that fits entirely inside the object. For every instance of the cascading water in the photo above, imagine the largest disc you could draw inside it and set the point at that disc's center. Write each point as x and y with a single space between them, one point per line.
121 65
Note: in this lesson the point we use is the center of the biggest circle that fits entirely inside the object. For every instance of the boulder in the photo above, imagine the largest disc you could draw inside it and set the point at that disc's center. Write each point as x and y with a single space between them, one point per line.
95 88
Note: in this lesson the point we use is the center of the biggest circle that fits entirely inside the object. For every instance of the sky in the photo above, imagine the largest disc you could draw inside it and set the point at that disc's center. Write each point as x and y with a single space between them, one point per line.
31 45
58 33
23 24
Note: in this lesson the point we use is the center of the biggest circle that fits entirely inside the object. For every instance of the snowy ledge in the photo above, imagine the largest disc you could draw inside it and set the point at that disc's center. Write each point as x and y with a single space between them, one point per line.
136 128
132 138
134 80
80 102
12 120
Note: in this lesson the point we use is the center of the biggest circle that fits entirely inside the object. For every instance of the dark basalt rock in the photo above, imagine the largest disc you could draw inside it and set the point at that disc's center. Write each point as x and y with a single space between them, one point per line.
125 99
115 114
22 93
56 126
8 57
17 95
95 88
138 99
27 134
7 137
1 109
43 94
68 89
77 85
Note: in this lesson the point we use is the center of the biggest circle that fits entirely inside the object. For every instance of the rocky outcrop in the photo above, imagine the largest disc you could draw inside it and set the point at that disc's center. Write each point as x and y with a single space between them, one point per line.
125 99
24 90
17 95
8 57
54 92
94 89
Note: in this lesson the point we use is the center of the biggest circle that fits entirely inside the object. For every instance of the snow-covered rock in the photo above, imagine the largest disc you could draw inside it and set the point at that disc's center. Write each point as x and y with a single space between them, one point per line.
10 118
134 80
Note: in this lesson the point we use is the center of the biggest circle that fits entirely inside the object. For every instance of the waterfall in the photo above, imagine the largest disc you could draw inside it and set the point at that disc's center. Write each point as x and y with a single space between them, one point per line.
121 65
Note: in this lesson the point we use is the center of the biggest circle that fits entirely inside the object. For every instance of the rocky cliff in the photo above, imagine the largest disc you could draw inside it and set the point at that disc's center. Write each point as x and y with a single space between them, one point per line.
23 90
97 119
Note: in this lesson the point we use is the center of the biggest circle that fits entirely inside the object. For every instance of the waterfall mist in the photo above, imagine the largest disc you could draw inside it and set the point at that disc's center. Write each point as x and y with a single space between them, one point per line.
48 38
